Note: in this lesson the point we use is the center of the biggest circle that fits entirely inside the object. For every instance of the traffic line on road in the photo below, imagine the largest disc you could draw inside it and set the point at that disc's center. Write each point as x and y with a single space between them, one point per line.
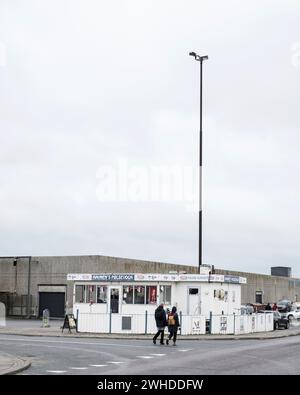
56 371
98 366
184 350
158 355
115 362
75 368
144 356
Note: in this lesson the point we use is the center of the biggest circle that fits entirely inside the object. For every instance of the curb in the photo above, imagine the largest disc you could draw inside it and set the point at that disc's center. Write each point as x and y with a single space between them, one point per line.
21 363
144 337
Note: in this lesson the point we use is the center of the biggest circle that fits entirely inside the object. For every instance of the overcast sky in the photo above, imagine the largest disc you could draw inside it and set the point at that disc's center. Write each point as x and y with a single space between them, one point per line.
94 93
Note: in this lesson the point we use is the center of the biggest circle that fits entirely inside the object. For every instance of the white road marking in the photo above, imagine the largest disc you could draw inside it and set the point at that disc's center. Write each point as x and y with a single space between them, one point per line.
158 355
56 371
98 366
114 362
78 368
144 356
184 350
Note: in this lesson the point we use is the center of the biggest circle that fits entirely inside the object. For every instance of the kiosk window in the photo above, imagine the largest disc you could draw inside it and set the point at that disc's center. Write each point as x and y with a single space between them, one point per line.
101 294
165 294
151 294
139 294
91 294
128 294
80 294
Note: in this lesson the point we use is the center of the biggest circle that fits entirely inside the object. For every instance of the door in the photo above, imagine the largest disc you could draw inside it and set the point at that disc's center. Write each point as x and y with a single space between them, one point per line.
194 301
258 297
54 302
114 300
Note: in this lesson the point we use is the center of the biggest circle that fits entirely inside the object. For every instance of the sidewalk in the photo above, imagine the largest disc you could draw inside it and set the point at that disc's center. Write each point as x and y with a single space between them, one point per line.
10 364
34 328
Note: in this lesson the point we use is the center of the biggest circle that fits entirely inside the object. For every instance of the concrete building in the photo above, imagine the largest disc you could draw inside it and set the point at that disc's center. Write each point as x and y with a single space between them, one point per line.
30 284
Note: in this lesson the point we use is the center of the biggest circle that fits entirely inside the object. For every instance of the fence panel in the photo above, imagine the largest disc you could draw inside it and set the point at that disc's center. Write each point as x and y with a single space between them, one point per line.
223 324
190 325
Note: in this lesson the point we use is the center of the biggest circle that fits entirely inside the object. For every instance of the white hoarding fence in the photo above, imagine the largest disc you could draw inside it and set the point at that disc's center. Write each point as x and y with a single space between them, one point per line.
240 324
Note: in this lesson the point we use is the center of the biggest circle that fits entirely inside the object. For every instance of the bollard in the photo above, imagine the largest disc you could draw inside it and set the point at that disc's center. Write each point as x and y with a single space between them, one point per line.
46 317
146 321
234 323
77 315
210 322
180 322
110 321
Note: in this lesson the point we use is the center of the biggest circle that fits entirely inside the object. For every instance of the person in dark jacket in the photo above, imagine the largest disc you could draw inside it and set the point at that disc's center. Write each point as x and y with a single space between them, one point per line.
268 307
161 323
173 325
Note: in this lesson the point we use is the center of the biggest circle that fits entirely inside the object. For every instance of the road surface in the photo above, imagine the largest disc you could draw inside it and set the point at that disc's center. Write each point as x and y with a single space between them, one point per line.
61 356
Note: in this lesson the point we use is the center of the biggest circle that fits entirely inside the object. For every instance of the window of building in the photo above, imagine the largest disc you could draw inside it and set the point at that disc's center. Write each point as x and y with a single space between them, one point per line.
101 294
128 294
91 294
165 294
151 292
139 294
226 296
80 294
220 294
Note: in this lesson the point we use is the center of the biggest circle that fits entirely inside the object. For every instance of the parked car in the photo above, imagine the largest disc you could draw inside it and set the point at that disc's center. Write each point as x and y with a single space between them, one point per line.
293 314
247 309
284 306
279 320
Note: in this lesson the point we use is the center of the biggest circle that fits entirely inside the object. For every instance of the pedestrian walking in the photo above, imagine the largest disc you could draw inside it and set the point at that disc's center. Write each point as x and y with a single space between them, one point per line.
274 307
268 307
161 323
173 325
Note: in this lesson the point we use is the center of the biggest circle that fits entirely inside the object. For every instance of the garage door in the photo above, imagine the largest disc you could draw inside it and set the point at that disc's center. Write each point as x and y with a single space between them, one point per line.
54 302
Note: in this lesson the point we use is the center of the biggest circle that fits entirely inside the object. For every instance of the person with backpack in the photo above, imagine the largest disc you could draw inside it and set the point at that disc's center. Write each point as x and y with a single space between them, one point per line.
173 325
161 323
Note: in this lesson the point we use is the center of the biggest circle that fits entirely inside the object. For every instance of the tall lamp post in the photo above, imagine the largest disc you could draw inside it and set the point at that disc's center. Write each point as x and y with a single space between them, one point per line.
200 59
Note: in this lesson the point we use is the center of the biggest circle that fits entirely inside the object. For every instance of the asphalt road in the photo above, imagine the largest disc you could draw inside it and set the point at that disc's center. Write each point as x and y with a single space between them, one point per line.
57 356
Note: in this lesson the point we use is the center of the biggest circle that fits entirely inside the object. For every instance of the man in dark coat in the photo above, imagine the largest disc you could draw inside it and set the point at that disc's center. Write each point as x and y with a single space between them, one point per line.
161 323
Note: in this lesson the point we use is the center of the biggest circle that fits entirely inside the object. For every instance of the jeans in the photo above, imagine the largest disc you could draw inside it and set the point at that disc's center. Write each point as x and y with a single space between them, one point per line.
161 332
173 334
